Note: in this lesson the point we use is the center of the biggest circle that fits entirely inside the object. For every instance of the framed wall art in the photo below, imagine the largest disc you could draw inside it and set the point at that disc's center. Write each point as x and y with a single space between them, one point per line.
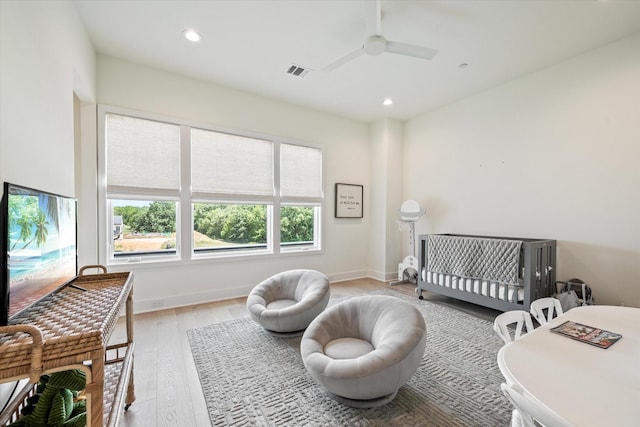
348 200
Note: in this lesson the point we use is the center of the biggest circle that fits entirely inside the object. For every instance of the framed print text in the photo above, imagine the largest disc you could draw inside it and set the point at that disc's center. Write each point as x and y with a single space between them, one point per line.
348 200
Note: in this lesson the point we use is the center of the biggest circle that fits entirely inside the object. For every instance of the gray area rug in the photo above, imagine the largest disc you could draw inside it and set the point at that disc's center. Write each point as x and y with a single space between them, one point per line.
251 378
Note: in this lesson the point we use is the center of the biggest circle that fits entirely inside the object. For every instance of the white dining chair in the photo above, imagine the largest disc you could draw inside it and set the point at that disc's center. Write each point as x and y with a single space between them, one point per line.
520 318
531 412
550 304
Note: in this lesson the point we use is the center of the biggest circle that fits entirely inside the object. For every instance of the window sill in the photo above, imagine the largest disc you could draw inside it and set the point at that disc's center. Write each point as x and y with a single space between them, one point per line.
163 261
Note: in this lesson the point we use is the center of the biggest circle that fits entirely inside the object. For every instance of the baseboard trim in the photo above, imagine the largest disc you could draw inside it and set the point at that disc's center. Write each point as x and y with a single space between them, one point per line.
145 306
170 302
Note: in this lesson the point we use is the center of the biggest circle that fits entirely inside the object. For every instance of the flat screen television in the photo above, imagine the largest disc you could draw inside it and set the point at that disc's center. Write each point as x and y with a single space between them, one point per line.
38 253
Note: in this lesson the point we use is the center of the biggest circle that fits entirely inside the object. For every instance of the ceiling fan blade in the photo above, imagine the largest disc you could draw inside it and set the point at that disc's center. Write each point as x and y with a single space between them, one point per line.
410 50
373 17
344 59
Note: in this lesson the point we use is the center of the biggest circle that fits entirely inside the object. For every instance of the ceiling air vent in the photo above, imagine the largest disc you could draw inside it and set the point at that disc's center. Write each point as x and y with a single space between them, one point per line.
297 70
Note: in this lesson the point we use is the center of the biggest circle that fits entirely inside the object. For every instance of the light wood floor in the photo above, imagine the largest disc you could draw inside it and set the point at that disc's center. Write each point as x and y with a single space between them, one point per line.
168 391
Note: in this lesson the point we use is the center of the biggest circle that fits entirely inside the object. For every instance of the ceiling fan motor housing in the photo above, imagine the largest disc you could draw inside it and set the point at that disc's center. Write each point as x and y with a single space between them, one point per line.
375 45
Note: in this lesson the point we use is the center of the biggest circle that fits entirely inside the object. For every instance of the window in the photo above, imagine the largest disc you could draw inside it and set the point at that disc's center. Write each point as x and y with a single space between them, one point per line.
298 226
231 164
142 155
229 226
142 186
143 227
237 194
300 196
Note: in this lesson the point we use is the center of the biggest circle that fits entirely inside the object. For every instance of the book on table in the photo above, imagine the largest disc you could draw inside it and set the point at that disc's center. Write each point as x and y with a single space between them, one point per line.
587 334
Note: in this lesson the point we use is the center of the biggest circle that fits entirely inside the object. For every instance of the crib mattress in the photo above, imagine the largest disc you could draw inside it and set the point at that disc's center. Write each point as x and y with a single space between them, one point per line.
477 286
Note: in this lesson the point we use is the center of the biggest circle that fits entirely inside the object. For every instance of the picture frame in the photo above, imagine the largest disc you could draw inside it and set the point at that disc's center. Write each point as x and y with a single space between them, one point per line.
348 200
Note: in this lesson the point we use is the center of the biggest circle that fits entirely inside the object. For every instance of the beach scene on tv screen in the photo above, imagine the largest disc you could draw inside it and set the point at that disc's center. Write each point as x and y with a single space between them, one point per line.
41 245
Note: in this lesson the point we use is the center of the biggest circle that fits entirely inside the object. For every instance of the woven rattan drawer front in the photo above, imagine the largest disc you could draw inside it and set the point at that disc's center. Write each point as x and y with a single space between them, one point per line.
73 323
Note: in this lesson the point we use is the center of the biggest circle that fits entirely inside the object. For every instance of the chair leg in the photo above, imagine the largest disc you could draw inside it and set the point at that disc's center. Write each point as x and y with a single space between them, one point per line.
516 419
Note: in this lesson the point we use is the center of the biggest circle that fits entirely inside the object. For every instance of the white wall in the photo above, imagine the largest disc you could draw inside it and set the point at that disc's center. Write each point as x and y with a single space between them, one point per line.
385 157
45 56
346 150
553 155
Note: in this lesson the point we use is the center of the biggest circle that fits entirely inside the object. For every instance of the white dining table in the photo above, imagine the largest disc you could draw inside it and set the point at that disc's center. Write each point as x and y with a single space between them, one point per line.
584 384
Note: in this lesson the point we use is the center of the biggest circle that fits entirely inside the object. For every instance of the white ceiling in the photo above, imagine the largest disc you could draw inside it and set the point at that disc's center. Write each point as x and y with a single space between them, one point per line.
249 45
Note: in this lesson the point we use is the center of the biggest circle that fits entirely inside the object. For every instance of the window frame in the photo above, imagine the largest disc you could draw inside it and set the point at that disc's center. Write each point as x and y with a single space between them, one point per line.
317 229
164 255
241 250
185 246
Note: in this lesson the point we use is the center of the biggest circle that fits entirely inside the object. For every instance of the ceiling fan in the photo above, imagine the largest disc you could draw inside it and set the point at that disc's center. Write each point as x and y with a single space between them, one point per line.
376 43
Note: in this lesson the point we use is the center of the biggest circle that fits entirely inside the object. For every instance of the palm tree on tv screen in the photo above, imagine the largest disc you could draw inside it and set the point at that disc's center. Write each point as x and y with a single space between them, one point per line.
28 214
41 229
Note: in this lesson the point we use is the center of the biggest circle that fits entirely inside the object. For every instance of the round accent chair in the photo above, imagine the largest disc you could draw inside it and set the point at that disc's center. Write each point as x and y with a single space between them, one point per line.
285 304
364 349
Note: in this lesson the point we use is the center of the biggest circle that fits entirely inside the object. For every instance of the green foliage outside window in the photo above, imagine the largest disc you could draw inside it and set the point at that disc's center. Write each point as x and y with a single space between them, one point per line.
231 223
296 224
239 224
158 217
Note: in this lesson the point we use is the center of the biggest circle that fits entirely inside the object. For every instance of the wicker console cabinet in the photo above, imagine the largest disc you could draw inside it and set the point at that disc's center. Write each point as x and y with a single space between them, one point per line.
70 329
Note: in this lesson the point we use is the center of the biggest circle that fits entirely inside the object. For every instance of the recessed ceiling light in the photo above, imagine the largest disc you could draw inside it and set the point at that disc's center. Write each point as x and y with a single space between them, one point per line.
192 36
387 102
463 66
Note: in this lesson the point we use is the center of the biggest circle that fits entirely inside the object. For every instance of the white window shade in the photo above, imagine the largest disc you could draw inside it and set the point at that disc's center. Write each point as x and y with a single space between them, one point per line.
142 153
300 171
230 164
